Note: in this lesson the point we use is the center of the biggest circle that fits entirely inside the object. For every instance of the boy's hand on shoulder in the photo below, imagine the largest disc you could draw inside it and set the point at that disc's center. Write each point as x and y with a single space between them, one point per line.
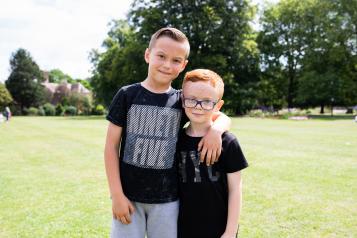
122 209
210 146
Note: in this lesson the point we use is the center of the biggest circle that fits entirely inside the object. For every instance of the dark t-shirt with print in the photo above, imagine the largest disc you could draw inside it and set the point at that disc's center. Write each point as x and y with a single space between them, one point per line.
203 190
150 123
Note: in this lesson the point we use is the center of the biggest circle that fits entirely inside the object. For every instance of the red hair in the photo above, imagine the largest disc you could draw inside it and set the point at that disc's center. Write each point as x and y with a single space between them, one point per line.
205 75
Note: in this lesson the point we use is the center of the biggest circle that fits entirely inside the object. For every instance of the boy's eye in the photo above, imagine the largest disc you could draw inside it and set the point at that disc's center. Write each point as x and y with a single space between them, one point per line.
207 103
177 61
161 56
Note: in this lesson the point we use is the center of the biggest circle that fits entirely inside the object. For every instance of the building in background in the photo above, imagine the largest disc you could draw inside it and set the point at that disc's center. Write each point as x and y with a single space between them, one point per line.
57 91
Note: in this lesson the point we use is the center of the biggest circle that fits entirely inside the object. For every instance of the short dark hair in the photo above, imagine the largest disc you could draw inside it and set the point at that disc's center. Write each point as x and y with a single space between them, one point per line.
172 33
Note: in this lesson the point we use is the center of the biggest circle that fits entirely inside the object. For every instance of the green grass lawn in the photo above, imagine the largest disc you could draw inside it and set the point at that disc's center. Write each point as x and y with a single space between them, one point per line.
302 179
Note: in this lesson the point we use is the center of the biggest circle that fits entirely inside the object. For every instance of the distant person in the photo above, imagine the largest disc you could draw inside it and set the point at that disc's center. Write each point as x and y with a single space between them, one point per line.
144 122
210 195
7 113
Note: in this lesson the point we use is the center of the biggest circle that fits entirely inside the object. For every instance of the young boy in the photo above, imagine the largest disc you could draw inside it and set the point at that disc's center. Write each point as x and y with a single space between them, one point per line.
210 196
145 119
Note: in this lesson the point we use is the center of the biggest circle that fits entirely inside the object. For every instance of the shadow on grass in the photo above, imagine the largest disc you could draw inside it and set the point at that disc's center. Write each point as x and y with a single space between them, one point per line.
332 118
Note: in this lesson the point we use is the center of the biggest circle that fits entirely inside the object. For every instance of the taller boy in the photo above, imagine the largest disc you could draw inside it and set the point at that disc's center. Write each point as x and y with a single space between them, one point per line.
144 122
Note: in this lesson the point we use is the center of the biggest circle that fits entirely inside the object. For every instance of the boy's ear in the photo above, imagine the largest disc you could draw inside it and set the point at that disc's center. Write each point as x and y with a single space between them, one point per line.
219 105
147 55
184 65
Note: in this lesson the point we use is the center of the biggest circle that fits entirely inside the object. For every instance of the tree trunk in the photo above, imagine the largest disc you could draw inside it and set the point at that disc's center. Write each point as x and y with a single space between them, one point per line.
290 93
322 109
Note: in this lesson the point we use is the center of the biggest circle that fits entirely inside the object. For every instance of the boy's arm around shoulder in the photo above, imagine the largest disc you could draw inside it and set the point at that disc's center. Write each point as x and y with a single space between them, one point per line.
121 206
211 144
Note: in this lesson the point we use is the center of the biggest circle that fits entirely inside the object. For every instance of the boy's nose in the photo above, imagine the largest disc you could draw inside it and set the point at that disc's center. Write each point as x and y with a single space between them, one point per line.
167 64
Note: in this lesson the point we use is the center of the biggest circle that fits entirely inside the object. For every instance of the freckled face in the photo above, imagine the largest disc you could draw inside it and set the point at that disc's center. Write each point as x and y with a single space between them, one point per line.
200 91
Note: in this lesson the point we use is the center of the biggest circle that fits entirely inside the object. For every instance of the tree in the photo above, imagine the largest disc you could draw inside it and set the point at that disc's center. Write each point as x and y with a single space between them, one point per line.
5 96
57 76
310 47
120 64
220 37
24 82
329 75
282 43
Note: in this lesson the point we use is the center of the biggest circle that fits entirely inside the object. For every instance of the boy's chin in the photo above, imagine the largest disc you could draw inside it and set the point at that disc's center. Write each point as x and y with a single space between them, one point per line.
200 119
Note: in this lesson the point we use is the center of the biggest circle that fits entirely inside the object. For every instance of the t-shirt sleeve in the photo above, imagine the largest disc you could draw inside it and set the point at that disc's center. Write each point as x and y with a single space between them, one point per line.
234 159
118 109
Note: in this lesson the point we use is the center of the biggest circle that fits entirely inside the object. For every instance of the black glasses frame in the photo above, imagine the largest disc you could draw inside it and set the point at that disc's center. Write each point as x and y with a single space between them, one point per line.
199 102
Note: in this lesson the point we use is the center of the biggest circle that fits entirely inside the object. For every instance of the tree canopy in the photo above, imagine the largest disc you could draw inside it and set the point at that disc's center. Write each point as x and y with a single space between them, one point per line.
24 82
308 51
303 55
206 23
5 96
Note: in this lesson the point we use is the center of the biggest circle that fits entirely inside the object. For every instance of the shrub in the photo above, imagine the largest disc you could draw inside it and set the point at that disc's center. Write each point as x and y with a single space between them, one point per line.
256 113
81 102
70 111
32 111
49 109
41 111
99 110
59 110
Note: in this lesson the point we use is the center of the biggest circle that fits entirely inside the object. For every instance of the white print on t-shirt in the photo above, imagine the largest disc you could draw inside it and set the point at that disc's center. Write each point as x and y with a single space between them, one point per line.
195 158
151 136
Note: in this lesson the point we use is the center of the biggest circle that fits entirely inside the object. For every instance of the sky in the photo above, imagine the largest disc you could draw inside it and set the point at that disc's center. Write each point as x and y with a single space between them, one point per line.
59 34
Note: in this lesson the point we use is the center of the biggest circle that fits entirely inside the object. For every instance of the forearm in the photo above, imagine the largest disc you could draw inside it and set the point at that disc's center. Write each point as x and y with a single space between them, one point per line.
234 208
234 203
111 161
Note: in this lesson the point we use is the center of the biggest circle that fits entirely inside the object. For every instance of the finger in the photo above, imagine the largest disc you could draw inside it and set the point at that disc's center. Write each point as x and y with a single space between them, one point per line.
127 218
131 209
214 157
219 151
123 220
217 156
209 157
200 145
203 154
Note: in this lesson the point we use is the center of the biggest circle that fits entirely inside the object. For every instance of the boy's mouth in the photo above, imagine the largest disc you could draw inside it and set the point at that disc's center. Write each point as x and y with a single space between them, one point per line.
197 114
166 73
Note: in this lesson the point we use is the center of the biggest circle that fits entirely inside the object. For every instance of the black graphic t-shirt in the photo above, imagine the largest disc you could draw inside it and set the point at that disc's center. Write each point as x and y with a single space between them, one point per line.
150 123
203 190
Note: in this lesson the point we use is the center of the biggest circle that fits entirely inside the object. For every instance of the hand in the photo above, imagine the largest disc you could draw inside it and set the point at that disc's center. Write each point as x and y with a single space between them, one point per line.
210 146
229 235
122 209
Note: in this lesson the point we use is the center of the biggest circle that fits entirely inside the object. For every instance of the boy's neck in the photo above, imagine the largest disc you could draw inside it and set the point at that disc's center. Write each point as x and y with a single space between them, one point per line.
155 87
198 129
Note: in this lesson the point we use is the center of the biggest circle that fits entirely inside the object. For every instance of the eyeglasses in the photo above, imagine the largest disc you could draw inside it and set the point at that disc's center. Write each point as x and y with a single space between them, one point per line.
205 104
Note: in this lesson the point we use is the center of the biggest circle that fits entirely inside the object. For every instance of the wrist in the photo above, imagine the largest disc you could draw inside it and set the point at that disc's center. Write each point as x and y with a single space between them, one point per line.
117 195
217 129
232 231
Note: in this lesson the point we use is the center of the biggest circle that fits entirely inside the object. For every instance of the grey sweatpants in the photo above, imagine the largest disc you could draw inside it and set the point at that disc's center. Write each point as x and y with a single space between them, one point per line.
154 220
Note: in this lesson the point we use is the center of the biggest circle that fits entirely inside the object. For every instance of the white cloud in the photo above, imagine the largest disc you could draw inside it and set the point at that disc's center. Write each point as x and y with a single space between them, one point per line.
58 34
